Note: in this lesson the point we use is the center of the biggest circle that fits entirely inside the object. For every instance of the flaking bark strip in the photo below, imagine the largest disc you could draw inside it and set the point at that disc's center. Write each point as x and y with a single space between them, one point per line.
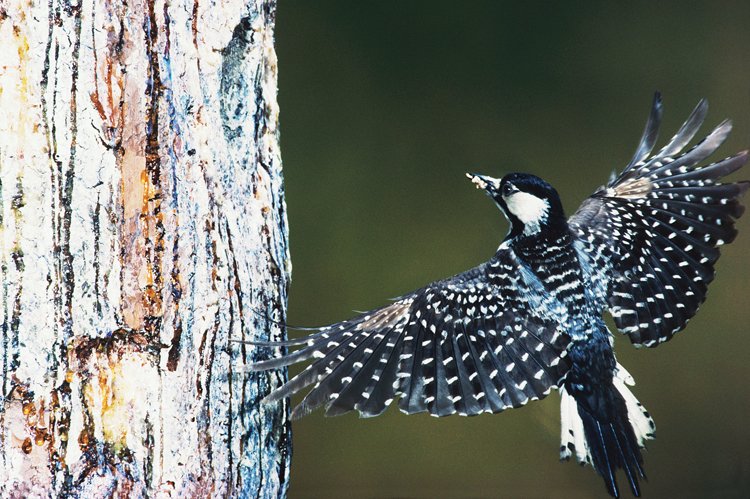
152 218
173 355
6 354
66 192
65 258
174 148
97 265
60 403
16 256
207 352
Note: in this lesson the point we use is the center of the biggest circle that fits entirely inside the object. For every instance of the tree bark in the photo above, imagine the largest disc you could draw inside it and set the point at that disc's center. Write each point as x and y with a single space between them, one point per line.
142 229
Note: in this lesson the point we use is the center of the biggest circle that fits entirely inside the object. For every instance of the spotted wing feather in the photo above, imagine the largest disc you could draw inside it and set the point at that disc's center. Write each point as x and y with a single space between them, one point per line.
652 234
464 345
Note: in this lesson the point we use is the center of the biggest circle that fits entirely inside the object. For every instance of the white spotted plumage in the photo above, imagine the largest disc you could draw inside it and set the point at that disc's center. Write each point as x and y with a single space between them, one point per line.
529 320
684 214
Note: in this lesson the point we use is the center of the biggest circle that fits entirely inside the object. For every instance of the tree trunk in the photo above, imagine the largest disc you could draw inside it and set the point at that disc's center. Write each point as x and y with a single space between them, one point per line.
142 229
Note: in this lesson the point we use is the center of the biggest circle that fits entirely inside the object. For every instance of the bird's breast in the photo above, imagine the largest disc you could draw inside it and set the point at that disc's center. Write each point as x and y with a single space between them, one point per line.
554 263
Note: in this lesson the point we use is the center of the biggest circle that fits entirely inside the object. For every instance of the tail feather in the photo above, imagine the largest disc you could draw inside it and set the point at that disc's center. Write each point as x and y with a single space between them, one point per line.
612 446
573 439
609 433
640 419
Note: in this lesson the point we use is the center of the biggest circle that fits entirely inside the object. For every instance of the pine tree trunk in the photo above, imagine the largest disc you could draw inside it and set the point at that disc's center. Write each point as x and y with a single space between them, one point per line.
142 229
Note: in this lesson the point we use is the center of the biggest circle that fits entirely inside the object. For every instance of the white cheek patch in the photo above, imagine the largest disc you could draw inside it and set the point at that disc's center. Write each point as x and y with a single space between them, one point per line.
529 209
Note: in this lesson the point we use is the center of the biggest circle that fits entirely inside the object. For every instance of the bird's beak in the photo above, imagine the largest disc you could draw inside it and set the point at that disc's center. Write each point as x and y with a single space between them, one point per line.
483 181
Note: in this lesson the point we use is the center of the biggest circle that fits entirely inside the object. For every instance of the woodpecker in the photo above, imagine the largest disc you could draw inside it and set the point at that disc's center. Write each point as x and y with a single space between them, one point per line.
530 320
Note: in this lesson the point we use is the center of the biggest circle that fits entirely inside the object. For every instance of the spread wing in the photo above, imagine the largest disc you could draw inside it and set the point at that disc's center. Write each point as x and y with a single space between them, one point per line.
465 345
652 234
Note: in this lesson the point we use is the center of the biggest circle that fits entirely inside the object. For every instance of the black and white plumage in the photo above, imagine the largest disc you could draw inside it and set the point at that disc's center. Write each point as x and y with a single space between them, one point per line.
530 319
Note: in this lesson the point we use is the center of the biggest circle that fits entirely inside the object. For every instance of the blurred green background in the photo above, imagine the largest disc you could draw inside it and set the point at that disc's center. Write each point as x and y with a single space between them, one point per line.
386 104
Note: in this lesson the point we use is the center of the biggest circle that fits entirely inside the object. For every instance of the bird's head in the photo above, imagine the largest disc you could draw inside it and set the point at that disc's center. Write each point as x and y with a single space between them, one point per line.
529 203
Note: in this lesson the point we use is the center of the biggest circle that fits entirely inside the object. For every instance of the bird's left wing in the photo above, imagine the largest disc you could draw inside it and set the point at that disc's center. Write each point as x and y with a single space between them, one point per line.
650 237
466 345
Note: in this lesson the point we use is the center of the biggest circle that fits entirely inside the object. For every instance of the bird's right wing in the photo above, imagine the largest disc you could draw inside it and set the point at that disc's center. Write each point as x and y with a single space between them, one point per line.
466 345
651 236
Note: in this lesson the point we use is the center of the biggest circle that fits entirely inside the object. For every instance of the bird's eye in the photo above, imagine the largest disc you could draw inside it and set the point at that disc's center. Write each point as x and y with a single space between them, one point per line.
508 189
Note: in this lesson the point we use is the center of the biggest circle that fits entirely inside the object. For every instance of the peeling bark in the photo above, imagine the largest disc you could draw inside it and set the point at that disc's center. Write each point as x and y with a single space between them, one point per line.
142 229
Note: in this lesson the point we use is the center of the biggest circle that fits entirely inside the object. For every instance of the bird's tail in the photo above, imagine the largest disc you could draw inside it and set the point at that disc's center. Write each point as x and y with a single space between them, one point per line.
606 429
